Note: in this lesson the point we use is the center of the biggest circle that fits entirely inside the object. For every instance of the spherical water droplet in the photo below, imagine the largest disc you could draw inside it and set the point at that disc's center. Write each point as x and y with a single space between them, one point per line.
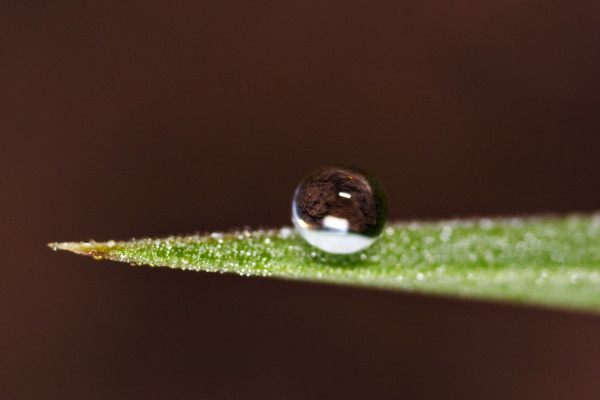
340 209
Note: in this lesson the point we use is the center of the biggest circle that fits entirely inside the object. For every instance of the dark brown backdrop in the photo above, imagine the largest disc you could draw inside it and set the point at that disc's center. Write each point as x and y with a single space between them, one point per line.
124 118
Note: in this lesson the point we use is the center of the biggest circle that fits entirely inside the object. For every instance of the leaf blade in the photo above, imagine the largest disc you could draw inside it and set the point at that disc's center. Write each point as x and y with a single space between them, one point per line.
548 261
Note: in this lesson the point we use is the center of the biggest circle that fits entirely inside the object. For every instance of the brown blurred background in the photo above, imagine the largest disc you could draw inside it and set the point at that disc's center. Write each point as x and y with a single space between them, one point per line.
123 119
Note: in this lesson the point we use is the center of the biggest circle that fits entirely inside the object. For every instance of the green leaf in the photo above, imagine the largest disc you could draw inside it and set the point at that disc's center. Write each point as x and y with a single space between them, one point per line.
549 261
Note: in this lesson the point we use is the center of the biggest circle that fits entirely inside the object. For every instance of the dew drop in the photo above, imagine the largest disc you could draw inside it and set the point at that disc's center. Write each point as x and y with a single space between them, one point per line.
97 257
446 234
285 233
340 209
486 224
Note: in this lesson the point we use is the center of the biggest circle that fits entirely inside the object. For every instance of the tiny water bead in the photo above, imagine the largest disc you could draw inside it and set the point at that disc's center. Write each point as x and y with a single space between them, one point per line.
340 209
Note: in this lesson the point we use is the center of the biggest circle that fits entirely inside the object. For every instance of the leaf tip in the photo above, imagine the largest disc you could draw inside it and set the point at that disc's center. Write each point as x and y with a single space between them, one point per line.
69 246
84 248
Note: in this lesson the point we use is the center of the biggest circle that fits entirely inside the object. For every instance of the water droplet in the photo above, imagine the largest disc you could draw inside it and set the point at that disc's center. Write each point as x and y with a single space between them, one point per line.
285 233
111 243
340 209
486 224
446 234
97 257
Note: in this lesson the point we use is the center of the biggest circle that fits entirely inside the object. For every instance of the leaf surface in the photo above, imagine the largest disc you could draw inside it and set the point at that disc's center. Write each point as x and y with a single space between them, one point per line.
548 261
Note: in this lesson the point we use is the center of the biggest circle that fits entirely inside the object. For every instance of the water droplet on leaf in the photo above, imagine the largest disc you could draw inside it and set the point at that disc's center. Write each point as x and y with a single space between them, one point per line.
340 209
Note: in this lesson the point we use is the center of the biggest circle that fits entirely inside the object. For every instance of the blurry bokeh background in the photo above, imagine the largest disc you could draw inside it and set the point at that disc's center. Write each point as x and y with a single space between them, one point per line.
124 119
